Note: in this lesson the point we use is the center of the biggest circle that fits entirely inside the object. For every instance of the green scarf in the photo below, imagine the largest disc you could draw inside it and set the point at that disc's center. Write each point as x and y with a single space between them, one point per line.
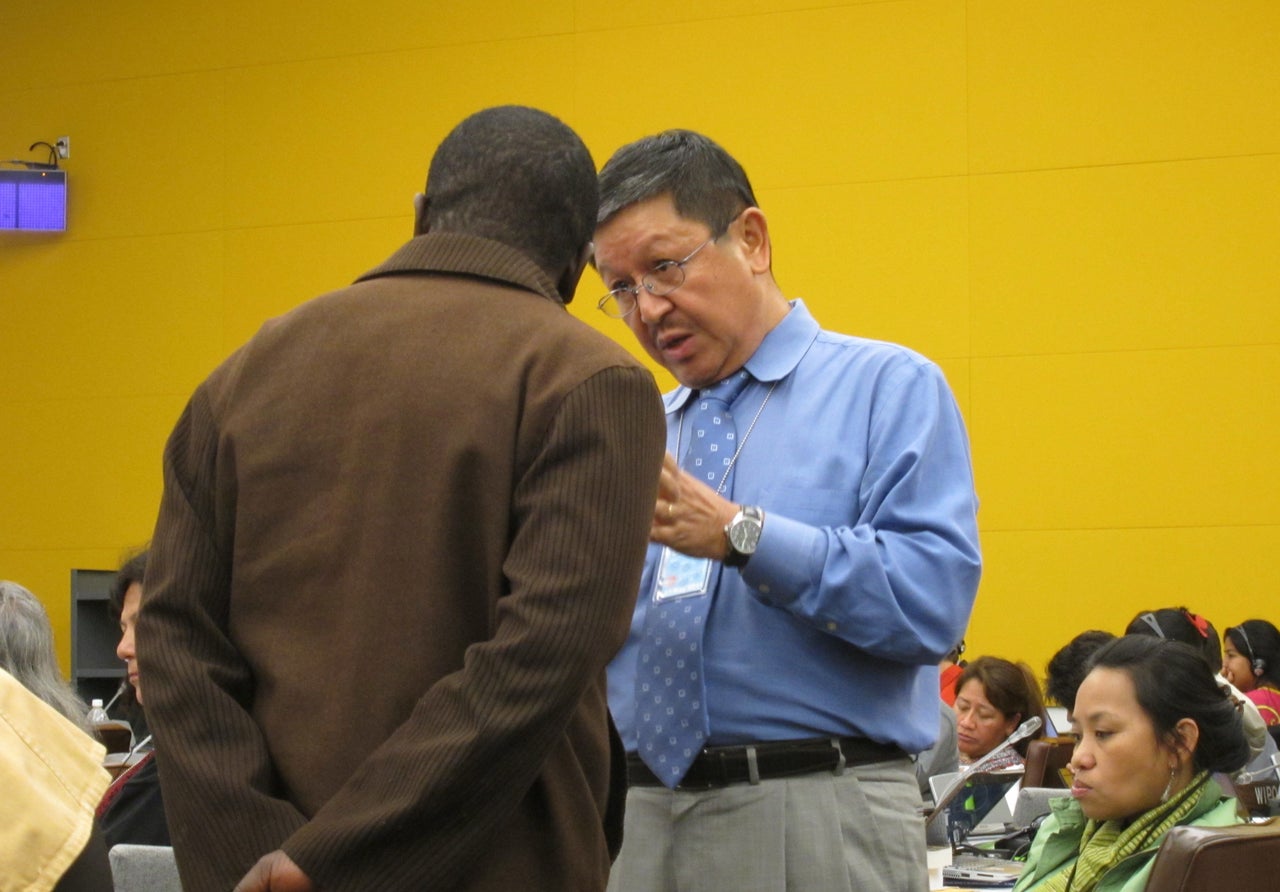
1104 845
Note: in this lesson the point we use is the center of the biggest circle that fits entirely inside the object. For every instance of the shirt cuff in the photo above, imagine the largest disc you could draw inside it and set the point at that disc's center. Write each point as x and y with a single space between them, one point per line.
778 572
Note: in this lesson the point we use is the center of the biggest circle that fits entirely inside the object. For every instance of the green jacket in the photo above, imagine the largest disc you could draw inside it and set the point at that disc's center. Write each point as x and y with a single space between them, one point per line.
1057 843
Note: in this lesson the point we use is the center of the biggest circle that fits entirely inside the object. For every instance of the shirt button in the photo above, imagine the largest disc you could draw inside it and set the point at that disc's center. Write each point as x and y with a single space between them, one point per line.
764 589
831 627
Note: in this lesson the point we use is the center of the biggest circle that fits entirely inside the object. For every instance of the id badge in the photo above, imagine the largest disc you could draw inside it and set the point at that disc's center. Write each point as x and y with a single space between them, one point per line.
681 576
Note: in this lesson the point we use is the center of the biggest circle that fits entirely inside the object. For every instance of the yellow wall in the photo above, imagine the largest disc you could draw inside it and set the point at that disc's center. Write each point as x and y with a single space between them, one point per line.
1073 206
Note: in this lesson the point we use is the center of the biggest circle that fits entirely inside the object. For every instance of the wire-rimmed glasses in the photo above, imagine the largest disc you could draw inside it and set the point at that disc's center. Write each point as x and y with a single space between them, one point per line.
665 277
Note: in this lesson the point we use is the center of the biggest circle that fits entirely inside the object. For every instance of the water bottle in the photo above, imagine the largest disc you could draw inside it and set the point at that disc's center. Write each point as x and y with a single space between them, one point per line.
97 715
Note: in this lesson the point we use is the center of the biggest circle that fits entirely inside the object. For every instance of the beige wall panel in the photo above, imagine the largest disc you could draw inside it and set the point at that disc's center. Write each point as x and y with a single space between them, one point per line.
267 32
846 94
111 317
1133 257
1146 439
74 42
274 269
1081 82
879 260
351 138
607 15
92 466
1040 589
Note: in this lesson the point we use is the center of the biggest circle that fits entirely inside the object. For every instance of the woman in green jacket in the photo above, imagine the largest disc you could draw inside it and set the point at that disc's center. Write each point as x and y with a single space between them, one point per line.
1153 726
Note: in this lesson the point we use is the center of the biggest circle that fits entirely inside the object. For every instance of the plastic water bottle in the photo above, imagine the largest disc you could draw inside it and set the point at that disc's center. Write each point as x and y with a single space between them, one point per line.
97 715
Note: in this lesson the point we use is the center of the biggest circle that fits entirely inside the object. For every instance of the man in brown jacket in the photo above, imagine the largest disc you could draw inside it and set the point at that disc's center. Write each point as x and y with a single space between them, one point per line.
400 538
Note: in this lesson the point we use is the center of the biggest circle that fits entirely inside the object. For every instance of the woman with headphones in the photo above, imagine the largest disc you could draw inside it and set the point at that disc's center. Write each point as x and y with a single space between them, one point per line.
1251 662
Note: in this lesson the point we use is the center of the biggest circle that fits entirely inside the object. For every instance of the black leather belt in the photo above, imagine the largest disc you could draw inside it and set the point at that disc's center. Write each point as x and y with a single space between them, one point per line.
720 766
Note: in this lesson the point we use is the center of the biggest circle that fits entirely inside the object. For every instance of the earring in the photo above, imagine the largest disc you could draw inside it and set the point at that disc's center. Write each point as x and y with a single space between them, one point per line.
1164 797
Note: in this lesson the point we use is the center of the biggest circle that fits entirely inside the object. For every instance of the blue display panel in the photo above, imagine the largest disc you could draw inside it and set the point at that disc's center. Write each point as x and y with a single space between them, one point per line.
33 200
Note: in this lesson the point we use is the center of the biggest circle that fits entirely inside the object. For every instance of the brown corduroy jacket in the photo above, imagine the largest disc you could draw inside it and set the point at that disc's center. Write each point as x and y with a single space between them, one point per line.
400 538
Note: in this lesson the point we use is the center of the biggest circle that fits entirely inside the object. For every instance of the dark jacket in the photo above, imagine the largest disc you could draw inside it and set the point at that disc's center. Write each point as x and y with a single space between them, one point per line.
400 538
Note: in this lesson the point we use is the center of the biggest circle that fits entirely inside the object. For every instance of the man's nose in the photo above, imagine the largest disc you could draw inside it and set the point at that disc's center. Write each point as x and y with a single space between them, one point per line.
650 307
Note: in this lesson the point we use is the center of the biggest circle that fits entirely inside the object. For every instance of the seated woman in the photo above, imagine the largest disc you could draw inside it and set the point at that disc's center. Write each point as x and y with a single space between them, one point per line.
994 697
26 653
1153 725
1180 624
1251 662
132 809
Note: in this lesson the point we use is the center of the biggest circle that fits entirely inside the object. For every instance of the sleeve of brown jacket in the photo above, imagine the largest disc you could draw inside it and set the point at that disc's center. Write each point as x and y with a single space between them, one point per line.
426 804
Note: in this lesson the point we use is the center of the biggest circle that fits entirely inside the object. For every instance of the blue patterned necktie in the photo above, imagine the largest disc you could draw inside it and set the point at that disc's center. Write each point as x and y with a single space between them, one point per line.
671 709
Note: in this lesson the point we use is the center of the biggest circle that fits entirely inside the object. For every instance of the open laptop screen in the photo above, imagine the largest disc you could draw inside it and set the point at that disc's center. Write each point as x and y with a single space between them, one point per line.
967 798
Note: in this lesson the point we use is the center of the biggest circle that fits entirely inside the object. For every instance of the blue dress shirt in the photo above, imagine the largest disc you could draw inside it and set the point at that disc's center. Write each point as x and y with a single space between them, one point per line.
867 569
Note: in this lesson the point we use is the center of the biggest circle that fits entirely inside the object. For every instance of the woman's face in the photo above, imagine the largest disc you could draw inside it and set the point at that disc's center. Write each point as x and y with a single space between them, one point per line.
1236 667
1121 769
979 726
125 650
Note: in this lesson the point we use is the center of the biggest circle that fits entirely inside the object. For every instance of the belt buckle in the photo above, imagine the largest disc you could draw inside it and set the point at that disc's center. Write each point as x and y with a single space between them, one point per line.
710 766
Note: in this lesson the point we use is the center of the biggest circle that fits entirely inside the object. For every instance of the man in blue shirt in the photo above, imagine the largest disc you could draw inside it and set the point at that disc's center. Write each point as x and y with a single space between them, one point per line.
797 597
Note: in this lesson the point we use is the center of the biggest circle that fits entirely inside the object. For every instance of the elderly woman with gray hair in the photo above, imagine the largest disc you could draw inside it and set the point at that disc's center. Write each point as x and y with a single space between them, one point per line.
26 652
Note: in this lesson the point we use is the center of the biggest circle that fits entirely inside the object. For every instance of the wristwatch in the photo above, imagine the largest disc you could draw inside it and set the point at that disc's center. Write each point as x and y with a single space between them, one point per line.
743 534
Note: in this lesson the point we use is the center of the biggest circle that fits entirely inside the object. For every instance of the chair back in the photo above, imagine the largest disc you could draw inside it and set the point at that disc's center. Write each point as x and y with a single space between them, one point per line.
1047 758
1209 859
144 869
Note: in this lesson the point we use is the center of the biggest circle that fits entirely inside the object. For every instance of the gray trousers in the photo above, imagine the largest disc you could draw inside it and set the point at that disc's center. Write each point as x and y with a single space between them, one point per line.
857 832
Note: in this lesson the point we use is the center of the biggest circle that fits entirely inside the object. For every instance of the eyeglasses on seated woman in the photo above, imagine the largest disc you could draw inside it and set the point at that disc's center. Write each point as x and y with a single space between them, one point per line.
1153 725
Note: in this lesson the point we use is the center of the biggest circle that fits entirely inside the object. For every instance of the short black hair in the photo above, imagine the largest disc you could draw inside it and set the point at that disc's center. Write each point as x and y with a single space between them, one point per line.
704 181
1180 624
1067 668
133 569
1171 683
518 176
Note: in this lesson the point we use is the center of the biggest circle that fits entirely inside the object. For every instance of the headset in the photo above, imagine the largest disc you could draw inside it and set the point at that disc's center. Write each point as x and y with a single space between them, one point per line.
1259 664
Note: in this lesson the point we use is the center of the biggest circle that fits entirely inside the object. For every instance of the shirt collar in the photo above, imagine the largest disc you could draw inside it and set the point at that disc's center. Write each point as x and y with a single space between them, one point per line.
776 357
455 252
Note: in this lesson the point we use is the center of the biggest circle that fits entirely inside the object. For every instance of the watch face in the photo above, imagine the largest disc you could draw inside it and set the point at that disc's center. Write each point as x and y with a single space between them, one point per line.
744 534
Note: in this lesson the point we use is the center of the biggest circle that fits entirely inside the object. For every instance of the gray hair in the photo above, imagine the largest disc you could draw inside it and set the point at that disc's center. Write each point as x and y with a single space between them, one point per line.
26 653
704 181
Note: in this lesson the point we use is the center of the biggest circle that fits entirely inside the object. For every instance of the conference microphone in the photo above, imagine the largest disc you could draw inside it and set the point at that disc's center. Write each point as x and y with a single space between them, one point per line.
1023 731
124 686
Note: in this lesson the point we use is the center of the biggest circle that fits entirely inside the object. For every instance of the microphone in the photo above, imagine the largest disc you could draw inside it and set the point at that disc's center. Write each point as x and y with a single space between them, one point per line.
1023 731
124 686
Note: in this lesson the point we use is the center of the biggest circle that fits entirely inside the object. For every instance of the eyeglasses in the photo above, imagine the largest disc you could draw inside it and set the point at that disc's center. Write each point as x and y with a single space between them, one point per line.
665 277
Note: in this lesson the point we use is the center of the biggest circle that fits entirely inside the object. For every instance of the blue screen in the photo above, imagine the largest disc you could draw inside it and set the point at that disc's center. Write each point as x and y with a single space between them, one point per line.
33 200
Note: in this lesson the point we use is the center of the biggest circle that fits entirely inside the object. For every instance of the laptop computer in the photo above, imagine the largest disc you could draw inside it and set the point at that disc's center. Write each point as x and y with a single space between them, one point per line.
966 802
969 799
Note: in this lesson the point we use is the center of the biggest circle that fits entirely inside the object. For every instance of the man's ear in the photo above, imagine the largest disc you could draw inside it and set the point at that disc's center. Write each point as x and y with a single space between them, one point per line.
753 237
420 224
568 282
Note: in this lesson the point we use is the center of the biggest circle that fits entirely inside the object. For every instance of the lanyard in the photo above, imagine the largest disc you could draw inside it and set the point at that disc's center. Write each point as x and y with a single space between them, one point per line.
724 478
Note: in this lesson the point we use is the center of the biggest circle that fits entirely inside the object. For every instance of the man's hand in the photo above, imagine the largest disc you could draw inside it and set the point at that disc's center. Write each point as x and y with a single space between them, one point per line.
275 872
689 515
